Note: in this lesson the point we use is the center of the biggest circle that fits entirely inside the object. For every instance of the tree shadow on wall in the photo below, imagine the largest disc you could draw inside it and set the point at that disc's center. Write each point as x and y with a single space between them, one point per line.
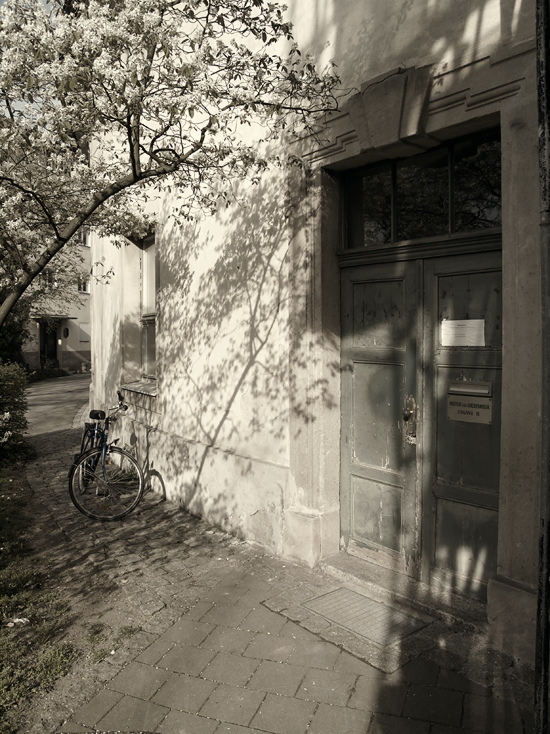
223 354
368 39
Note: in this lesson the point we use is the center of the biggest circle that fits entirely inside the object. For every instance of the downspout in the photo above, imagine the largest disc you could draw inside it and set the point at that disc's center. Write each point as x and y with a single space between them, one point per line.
542 650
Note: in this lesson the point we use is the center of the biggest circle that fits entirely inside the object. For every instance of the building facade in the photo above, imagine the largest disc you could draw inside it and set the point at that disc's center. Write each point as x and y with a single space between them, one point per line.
60 333
351 362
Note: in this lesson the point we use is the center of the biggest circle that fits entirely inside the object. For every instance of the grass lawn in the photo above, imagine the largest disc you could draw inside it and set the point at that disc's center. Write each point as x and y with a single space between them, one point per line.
32 617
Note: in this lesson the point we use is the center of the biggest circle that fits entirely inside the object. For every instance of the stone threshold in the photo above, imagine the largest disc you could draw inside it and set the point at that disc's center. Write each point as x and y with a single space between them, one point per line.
396 589
293 602
445 615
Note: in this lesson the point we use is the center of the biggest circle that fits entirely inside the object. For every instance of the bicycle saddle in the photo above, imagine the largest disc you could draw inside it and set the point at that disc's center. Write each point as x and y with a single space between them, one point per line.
97 415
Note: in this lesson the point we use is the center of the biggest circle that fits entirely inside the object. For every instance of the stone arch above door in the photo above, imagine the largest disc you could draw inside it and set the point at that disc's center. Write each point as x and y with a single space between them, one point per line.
408 110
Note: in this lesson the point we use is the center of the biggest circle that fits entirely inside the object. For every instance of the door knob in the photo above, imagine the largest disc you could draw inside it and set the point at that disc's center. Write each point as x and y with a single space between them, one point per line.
409 420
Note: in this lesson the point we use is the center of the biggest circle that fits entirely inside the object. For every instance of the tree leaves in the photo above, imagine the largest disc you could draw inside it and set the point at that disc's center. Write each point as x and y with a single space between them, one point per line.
106 101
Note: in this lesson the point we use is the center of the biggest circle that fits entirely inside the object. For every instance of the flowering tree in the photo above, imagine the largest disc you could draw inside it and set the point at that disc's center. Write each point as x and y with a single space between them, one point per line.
104 101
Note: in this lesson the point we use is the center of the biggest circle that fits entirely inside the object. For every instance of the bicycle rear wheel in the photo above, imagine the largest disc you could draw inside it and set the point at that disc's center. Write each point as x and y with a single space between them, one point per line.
106 491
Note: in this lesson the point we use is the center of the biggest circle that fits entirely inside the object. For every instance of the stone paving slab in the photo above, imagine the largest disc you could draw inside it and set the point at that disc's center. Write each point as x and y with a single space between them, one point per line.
222 642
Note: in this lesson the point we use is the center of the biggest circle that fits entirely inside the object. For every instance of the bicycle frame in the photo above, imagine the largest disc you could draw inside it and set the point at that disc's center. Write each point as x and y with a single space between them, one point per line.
96 436
116 490
93 436
105 445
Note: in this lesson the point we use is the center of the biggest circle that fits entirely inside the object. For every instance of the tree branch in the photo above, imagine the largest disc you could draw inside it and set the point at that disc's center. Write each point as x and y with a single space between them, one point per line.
33 195
14 253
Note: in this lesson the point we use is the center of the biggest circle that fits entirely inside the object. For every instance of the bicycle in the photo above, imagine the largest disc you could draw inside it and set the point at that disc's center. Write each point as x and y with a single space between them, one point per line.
105 481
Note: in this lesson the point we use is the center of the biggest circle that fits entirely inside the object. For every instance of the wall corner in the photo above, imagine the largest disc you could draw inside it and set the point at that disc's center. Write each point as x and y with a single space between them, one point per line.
511 612
302 537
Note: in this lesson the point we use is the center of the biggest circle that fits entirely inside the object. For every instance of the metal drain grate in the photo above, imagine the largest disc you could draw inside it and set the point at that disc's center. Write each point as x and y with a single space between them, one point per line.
365 617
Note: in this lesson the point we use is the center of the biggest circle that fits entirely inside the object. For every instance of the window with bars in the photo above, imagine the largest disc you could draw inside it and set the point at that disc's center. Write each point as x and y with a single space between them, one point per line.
149 284
453 188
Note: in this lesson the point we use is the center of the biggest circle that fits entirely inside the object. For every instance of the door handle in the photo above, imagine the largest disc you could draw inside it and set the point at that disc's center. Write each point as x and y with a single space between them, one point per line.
409 419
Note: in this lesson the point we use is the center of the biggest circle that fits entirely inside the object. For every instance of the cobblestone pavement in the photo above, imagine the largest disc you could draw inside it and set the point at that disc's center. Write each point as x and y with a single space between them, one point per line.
217 637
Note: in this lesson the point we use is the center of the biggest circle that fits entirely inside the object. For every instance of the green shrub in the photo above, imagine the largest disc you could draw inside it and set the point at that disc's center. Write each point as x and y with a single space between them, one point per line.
15 330
13 404
50 369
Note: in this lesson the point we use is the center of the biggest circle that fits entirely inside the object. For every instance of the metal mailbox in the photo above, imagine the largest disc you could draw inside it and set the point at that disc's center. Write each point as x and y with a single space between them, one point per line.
470 402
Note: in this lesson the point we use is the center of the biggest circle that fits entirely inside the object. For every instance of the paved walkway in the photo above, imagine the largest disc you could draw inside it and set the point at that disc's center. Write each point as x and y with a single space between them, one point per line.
213 635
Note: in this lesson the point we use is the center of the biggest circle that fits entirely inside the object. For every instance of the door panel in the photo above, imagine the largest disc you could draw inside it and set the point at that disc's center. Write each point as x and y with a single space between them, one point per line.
378 314
463 448
461 470
465 544
376 513
378 374
473 296
48 344
377 407
422 340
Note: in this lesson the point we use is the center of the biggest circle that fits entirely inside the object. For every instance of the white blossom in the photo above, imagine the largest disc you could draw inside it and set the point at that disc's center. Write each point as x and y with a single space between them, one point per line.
98 105
5 437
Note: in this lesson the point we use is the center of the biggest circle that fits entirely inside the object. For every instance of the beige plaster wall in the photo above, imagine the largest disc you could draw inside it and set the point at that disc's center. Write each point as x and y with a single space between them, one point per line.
312 508
520 447
73 355
222 316
216 436
222 347
106 304
245 427
368 39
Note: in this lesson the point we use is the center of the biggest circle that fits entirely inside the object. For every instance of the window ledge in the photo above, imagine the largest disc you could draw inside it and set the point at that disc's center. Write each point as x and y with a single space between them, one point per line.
144 387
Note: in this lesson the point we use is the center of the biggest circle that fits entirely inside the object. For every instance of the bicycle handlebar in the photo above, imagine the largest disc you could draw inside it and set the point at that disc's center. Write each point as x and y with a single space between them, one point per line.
121 404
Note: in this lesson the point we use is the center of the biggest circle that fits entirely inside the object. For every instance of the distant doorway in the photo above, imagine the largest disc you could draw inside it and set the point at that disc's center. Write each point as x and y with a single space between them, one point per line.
48 344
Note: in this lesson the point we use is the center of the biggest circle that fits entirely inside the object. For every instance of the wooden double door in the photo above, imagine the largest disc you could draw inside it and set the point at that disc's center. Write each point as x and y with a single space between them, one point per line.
421 397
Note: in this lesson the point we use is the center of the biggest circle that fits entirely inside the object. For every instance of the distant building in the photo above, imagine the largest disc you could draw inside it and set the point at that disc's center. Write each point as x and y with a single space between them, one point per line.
62 337
351 364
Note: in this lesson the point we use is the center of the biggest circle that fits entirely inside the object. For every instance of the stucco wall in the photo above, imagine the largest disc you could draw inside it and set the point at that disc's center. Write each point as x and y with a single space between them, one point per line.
72 352
217 435
245 425
223 361
369 39
107 318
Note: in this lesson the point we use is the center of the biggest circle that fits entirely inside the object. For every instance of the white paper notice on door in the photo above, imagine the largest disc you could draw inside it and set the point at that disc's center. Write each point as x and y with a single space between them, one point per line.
463 333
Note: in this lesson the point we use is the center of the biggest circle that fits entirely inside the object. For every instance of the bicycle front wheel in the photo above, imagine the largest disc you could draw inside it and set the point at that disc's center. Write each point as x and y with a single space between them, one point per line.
106 490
